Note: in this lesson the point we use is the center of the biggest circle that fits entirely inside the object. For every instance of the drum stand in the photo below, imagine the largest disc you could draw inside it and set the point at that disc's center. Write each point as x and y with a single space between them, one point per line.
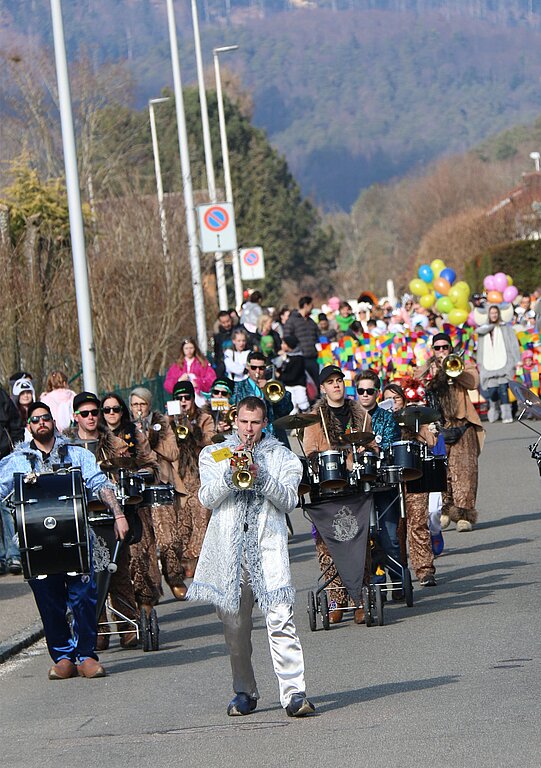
375 528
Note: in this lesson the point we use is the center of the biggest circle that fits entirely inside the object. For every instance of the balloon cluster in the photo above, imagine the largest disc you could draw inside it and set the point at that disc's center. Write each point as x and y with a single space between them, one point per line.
499 288
436 286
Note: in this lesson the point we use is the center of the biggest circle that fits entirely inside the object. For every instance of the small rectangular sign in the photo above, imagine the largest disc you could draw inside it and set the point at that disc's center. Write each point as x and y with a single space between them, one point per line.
252 263
217 227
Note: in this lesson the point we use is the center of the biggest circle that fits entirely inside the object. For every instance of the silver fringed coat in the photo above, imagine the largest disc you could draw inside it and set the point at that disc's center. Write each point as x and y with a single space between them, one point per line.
248 524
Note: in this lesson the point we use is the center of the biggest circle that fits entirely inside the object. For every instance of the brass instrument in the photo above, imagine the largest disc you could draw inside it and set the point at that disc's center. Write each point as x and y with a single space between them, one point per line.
273 390
240 463
182 430
453 365
231 415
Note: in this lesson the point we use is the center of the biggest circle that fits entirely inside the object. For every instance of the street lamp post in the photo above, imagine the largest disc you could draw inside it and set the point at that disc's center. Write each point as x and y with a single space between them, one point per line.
209 162
159 184
80 269
191 229
536 156
225 156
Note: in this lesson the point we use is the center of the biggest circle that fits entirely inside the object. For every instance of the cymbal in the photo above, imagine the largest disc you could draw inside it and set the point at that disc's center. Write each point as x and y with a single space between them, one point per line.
412 415
296 421
354 437
118 462
523 394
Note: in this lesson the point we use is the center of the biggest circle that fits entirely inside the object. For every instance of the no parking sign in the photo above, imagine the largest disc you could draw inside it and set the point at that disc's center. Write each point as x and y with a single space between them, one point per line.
252 264
217 227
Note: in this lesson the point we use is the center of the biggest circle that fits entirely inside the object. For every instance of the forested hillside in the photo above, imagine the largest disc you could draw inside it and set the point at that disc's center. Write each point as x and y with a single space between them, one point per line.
353 92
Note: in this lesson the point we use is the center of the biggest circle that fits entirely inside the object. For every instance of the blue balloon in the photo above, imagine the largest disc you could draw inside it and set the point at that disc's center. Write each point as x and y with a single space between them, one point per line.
425 273
448 274
438 295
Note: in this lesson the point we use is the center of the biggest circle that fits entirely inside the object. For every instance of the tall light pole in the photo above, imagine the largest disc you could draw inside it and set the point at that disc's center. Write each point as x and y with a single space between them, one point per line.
225 156
159 184
80 270
191 229
207 145
536 156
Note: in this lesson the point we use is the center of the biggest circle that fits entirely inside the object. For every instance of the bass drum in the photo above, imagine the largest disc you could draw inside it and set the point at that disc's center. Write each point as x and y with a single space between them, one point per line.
434 477
50 515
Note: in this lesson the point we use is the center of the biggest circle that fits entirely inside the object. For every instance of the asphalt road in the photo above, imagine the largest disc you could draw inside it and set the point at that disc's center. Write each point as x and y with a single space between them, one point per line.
452 682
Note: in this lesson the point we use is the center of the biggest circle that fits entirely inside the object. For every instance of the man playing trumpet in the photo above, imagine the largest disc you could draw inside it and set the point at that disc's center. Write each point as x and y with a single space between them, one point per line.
244 557
448 381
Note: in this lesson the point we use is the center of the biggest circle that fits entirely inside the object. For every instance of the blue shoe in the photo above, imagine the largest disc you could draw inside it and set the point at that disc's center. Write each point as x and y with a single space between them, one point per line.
437 544
242 704
299 706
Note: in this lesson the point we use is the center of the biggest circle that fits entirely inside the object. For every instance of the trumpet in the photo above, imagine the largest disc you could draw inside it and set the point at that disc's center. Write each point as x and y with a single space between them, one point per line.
240 463
182 429
453 365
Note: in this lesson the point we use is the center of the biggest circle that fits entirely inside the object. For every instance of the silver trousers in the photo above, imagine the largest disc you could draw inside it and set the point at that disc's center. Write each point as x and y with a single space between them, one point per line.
284 643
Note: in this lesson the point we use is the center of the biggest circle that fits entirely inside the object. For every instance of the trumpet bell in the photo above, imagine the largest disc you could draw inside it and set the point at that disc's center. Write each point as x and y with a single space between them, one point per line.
182 432
242 479
274 391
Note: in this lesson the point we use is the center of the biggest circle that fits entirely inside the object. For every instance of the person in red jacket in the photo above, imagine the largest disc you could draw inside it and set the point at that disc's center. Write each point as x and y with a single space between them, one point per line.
191 366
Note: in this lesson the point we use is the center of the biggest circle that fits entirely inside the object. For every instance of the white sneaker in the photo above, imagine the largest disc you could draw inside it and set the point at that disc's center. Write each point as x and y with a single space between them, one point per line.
445 521
464 525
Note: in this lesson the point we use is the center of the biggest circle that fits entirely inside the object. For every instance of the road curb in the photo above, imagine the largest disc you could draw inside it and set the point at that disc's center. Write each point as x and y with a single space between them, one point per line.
21 640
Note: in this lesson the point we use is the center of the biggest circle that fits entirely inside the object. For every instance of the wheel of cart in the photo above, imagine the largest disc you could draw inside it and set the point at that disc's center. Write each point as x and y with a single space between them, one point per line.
150 630
312 612
408 587
324 609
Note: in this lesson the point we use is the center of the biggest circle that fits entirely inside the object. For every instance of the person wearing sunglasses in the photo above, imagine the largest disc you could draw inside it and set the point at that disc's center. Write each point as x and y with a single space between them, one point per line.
368 385
192 515
159 521
462 431
339 415
257 367
72 653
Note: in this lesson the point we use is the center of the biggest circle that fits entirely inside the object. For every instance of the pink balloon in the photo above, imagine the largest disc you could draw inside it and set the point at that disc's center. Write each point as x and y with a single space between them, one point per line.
471 319
488 283
510 293
500 282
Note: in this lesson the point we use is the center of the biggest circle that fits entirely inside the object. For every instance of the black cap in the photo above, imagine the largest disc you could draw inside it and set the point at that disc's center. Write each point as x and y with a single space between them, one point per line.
183 388
35 406
224 382
442 337
85 397
328 371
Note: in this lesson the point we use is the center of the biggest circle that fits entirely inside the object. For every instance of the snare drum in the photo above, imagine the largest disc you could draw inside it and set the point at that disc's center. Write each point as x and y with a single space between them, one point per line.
156 495
51 522
434 477
332 470
407 455
129 488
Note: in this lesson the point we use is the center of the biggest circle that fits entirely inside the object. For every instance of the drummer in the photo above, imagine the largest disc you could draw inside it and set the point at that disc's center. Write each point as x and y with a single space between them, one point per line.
339 415
419 541
73 654
368 384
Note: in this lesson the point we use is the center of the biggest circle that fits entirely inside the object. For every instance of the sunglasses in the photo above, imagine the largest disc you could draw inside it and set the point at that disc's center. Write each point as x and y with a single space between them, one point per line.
111 409
369 391
258 367
443 346
37 419
221 393
86 414
183 397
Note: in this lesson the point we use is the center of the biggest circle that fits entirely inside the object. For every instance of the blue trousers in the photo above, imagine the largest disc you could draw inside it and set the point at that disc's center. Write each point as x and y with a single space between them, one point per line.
54 595
499 393
388 509
8 547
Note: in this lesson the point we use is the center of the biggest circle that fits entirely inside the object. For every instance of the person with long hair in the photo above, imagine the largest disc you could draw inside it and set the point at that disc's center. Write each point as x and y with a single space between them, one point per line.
235 358
23 394
191 366
59 398
498 354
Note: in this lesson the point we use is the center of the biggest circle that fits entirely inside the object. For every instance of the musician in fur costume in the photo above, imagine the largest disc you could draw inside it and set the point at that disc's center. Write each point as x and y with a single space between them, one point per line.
339 415
462 425
244 557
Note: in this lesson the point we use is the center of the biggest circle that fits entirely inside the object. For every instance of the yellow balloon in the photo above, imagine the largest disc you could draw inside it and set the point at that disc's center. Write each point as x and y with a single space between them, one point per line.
509 280
457 316
462 302
418 286
436 266
427 300
463 287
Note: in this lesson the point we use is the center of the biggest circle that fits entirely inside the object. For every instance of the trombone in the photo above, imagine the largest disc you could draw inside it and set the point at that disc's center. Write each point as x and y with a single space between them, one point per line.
453 365
273 390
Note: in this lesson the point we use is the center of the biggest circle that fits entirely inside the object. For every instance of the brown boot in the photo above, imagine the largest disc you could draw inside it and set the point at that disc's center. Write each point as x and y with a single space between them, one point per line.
129 640
180 591
63 670
358 616
90 668
335 617
102 642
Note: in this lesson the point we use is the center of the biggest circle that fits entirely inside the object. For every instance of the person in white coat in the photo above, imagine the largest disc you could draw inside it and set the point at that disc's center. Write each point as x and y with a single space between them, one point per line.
244 557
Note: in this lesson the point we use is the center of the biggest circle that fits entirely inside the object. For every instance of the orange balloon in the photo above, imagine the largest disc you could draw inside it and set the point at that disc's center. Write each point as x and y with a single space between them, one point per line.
441 285
494 297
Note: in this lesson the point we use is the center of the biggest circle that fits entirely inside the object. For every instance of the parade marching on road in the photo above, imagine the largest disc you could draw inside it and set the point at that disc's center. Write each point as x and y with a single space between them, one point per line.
451 682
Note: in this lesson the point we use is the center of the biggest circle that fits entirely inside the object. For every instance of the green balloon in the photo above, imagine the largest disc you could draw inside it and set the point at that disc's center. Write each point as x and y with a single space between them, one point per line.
444 305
